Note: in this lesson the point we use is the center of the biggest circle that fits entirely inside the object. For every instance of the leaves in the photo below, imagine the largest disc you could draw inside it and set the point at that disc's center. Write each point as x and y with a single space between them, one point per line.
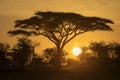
23 51
19 32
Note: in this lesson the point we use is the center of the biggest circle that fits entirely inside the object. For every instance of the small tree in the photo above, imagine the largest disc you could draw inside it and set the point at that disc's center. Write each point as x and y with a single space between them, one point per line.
115 54
101 50
49 56
4 62
23 52
59 27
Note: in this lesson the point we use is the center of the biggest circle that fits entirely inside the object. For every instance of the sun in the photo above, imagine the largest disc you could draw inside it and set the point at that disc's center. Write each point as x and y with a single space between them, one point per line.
76 51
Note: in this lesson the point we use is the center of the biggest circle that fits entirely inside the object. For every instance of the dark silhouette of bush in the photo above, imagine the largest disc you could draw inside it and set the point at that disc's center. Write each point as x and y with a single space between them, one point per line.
5 62
49 56
23 52
103 55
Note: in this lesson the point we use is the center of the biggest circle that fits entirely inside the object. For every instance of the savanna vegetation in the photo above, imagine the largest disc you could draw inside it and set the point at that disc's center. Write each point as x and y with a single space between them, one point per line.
98 61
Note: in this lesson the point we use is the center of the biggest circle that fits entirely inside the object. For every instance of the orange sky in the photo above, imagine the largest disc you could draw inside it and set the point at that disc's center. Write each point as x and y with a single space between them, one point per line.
11 10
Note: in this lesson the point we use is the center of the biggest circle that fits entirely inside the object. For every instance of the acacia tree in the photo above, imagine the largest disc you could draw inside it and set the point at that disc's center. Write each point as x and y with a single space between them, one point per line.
59 27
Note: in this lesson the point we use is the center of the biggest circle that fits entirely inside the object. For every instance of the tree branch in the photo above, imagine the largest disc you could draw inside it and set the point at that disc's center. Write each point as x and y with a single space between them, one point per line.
50 38
76 34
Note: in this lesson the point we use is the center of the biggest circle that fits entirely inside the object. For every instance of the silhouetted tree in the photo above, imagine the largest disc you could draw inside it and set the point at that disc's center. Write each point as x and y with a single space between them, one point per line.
115 54
59 27
88 58
101 50
23 52
49 56
37 62
108 54
4 62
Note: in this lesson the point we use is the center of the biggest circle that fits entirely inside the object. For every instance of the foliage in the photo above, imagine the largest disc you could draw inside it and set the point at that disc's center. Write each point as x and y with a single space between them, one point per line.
4 62
104 55
23 52
4 47
49 56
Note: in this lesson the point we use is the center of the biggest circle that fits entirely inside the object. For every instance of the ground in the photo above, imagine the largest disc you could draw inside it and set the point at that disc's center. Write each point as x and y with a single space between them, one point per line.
49 74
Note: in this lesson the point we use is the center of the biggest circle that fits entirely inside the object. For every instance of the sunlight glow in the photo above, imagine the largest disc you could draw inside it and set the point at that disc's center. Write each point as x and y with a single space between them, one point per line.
76 51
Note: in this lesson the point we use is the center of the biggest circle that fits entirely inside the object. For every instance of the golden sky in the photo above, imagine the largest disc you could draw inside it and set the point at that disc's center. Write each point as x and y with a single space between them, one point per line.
11 10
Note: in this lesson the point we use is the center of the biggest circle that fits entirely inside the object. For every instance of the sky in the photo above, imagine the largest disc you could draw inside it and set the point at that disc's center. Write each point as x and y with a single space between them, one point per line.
12 10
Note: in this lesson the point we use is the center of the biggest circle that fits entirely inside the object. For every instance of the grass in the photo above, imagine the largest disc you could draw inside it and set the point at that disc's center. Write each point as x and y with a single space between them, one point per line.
52 74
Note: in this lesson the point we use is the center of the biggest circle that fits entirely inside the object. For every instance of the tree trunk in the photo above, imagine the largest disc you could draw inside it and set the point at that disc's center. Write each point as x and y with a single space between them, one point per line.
58 57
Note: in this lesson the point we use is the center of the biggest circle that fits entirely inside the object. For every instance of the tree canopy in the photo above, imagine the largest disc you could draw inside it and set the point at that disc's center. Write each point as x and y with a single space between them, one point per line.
57 26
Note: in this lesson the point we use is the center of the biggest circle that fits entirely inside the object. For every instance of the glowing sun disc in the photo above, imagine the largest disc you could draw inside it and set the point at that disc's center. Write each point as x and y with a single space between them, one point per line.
76 51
